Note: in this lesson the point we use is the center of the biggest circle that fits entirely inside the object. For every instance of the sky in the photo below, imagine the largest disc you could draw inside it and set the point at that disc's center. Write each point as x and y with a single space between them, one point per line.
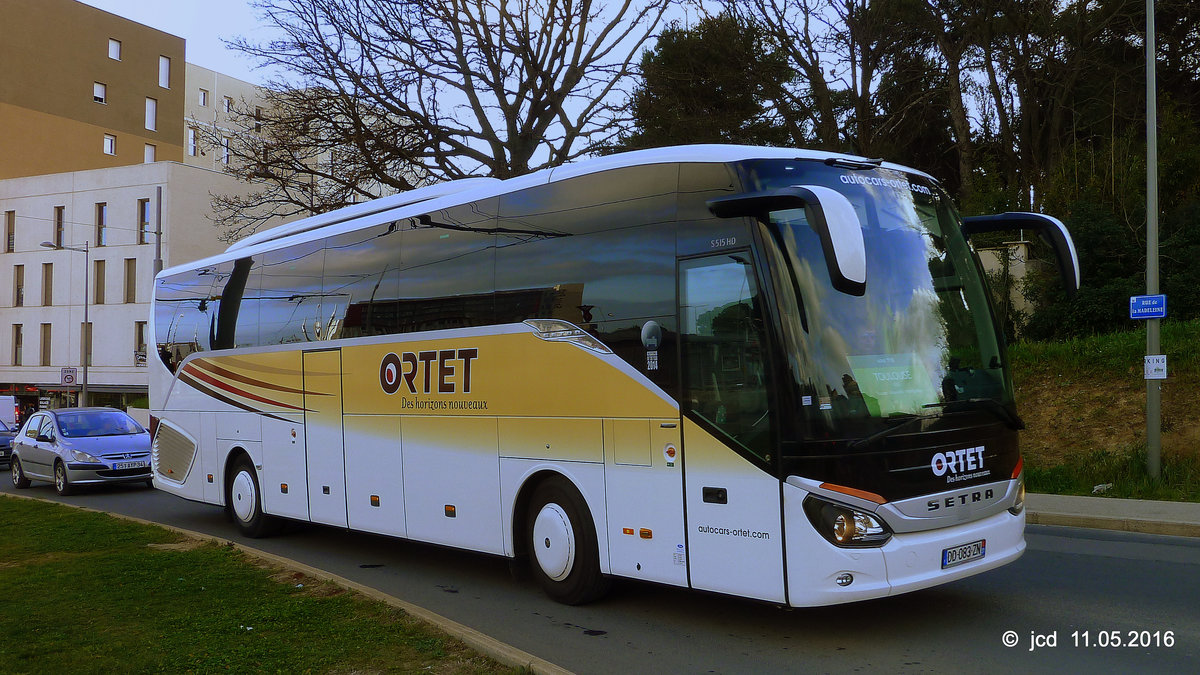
203 24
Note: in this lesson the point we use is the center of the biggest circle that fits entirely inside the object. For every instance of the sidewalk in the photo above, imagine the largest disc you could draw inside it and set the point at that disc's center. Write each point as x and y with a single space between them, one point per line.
1181 519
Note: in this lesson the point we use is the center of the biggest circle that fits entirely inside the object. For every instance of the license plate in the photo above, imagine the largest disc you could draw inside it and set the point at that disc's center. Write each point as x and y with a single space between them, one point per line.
131 465
958 555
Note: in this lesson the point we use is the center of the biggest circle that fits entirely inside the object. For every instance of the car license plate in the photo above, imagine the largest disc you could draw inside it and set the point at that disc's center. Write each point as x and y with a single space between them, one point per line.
131 465
958 555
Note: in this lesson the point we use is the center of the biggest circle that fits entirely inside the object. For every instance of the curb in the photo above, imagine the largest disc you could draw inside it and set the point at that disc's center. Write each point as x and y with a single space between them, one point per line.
1174 529
485 644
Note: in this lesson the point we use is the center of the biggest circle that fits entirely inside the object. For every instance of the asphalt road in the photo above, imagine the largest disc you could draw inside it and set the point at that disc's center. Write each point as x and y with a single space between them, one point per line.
1069 588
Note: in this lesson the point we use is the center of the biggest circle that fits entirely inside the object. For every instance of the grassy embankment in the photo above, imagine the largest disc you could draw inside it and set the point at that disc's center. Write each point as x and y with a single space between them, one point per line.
88 593
1084 403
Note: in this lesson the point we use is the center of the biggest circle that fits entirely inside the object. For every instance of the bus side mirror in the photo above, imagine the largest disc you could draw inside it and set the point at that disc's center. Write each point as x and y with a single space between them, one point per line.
1050 229
830 215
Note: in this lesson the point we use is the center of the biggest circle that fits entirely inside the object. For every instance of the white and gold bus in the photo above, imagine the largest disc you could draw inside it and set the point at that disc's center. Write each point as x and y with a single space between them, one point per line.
770 373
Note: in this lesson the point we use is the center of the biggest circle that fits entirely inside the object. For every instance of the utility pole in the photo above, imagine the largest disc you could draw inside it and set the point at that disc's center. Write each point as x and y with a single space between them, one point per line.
1153 387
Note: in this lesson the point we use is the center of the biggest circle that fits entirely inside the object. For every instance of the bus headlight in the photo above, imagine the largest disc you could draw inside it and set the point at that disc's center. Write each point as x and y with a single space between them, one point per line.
1019 505
844 526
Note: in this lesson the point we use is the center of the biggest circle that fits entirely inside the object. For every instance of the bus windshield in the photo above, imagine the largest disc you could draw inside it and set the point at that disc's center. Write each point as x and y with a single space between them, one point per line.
922 339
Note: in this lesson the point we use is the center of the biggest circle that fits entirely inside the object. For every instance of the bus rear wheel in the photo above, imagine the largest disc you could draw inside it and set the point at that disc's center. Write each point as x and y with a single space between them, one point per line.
561 540
243 501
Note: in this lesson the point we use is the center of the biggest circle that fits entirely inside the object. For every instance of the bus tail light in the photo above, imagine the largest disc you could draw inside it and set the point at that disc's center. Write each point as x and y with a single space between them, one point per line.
844 526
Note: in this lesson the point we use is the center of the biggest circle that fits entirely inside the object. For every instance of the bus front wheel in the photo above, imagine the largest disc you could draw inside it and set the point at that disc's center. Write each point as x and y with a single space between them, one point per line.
243 501
562 544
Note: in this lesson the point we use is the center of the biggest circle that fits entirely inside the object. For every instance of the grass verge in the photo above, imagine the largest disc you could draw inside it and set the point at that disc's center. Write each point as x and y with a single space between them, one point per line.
1122 472
1084 405
88 593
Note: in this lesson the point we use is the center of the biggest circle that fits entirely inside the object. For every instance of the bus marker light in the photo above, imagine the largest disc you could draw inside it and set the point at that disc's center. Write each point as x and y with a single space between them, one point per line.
210 478
844 579
645 533
626 530
283 488
861 494
374 500
451 512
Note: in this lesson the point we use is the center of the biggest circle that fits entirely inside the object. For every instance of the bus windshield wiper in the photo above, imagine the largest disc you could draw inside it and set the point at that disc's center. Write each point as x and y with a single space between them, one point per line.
999 410
901 420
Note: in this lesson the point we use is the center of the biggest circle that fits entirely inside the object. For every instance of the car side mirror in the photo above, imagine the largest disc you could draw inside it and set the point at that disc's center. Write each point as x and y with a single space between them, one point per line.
43 438
829 213
1050 229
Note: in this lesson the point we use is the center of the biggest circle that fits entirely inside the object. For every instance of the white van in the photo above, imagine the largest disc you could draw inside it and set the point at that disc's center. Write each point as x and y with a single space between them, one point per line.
8 410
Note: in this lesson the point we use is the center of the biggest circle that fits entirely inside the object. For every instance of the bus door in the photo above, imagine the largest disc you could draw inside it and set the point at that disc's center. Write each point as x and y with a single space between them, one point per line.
323 436
732 501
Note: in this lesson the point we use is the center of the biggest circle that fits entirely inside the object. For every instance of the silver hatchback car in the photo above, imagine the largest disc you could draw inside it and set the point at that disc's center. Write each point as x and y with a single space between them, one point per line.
81 446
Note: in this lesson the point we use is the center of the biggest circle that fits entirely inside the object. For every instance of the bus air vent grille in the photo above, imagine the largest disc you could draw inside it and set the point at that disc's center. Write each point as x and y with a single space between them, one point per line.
173 452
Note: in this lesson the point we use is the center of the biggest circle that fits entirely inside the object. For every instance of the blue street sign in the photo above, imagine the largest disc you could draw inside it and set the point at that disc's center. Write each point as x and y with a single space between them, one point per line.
1148 307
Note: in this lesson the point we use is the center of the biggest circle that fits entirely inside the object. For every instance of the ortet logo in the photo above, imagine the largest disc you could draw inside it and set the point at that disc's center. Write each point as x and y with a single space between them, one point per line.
447 369
957 461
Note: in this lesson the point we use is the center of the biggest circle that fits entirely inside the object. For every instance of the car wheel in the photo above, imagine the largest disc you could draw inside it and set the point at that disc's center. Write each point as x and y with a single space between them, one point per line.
62 484
243 501
561 538
19 479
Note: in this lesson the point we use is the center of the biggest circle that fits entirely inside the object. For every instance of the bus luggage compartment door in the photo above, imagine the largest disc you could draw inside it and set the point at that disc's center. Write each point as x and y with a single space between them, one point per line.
323 437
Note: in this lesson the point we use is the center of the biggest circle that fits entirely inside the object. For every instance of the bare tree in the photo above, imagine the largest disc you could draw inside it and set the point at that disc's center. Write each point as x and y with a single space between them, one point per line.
383 95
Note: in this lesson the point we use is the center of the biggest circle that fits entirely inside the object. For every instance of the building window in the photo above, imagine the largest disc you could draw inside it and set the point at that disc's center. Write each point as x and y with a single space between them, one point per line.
101 223
191 141
85 343
98 283
16 344
110 144
59 224
143 215
46 344
10 231
225 150
203 100
18 285
164 72
139 343
226 104
151 153
257 119
47 284
114 49
130 280
151 114
99 92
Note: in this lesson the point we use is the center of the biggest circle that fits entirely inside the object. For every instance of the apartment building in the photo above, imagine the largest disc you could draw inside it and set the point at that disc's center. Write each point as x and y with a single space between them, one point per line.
95 156
115 215
86 89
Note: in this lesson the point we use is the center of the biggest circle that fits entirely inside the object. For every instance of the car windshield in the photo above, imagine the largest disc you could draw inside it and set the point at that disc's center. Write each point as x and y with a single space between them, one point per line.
921 338
97 423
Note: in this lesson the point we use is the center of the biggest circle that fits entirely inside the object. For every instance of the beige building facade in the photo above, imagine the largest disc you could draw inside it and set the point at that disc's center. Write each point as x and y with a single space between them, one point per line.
115 215
86 89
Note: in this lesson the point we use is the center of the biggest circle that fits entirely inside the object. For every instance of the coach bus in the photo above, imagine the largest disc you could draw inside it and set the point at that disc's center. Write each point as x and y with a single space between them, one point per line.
770 373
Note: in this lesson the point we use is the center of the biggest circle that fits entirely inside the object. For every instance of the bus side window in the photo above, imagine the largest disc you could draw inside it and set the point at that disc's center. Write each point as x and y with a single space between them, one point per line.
723 343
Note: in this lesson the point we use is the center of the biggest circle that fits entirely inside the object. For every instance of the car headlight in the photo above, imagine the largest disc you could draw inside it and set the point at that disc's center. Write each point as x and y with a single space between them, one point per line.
79 456
844 526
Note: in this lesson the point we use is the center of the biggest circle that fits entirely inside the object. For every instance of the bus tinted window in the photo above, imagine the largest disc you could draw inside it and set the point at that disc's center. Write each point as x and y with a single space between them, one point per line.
447 270
362 280
182 314
293 307
587 279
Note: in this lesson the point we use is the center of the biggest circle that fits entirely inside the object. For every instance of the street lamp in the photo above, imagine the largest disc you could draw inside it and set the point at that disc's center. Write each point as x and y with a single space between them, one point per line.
87 328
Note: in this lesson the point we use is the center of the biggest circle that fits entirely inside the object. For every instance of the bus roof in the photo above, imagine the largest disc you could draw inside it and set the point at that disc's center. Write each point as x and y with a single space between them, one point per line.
421 200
